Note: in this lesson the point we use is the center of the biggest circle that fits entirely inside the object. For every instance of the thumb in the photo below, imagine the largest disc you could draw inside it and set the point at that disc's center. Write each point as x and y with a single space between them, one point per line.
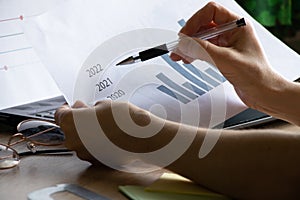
61 112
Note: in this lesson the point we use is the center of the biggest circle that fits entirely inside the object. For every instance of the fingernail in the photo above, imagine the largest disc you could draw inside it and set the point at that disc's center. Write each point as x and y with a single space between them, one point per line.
78 104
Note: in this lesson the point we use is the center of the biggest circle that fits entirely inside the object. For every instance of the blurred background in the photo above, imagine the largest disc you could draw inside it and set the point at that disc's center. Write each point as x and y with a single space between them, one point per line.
281 17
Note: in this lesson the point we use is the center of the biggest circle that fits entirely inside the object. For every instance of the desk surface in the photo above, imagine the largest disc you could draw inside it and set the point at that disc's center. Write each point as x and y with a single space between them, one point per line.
36 172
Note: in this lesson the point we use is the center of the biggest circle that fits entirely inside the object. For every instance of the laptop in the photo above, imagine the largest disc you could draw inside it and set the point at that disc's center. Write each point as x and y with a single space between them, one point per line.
45 110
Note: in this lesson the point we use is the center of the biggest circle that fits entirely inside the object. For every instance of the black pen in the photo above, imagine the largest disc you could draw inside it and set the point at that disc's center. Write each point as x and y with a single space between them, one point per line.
168 47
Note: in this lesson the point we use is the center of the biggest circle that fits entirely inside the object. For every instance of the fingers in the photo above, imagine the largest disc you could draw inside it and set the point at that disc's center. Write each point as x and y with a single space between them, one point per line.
209 16
190 49
65 109
210 13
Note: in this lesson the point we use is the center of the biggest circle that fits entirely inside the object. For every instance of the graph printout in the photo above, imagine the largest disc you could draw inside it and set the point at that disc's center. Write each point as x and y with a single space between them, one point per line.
88 39
23 78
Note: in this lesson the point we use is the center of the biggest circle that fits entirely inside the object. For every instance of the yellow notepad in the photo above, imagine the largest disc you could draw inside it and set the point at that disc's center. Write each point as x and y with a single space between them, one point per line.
171 186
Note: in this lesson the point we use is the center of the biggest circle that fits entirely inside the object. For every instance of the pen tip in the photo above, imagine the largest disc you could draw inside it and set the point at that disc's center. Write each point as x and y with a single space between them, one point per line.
127 61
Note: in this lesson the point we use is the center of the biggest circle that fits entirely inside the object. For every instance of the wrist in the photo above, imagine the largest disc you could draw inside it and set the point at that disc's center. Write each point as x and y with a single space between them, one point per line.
289 109
280 99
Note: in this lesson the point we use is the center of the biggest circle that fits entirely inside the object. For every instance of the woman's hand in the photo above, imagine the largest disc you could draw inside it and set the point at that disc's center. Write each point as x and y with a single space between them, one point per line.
64 118
239 57
119 121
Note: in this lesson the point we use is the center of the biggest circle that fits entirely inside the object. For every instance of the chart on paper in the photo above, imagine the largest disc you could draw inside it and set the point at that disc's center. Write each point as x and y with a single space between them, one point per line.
23 77
196 82
175 86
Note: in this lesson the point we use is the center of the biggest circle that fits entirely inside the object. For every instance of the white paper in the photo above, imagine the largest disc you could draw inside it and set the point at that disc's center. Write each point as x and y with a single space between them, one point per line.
23 78
80 42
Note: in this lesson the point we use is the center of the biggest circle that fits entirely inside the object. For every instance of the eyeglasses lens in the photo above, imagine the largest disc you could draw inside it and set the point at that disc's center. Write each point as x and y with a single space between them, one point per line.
8 157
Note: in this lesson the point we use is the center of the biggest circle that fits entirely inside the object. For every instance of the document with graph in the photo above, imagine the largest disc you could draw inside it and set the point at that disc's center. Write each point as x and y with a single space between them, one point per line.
81 42
23 77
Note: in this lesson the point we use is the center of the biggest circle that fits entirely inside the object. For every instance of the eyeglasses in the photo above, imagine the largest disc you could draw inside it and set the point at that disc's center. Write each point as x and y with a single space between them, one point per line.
35 133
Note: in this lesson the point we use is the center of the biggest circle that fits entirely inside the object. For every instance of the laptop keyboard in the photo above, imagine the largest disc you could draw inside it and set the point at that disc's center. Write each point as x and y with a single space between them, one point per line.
44 109
46 114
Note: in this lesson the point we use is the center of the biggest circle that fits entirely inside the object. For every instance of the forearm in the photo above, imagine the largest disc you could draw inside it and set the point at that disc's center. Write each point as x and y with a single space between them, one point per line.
243 164
246 164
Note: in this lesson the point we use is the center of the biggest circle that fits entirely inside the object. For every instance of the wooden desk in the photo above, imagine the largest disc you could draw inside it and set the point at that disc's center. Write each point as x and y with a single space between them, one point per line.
36 172
40 171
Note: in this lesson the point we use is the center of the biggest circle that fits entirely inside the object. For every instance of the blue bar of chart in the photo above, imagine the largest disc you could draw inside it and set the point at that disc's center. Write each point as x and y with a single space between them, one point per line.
198 82
193 88
215 74
175 86
177 67
181 22
202 75
173 94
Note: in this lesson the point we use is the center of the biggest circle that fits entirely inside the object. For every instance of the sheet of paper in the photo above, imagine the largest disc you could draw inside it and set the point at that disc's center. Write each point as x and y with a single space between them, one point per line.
23 78
81 42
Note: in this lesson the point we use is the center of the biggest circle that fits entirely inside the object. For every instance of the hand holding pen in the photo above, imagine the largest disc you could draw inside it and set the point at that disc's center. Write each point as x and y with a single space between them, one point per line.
169 47
239 56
